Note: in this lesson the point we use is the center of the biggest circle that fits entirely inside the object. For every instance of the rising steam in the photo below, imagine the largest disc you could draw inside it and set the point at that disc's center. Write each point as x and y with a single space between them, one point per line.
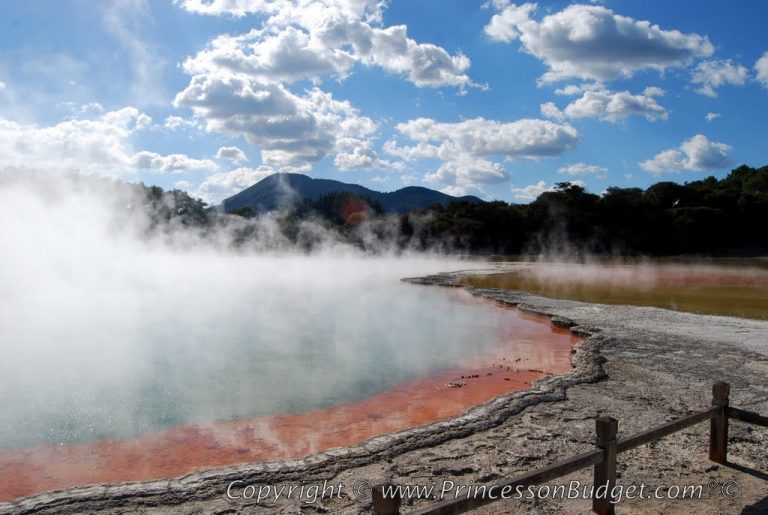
114 324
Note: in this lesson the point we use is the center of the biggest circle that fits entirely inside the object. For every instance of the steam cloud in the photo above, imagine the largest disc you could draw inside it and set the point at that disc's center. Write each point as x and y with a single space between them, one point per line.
110 329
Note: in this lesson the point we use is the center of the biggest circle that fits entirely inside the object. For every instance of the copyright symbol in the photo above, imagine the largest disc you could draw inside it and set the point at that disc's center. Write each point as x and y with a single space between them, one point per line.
361 490
731 489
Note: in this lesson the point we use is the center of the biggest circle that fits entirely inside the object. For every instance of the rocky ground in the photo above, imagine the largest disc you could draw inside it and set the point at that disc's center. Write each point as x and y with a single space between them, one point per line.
643 366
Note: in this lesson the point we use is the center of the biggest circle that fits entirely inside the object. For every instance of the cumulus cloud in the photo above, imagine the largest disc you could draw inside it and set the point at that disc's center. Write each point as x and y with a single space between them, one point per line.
244 85
593 42
550 110
479 137
291 129
218 186
357 154
695 154
174 163
583 169
233 154
369 10
712 116
653 91
463 175
466 148
96 145
532 191
182 185
575 89
610 106
332 47
306 40
709 75
761 70
173 123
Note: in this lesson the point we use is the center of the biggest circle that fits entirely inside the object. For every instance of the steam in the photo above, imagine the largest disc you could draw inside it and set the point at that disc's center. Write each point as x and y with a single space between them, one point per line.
113 325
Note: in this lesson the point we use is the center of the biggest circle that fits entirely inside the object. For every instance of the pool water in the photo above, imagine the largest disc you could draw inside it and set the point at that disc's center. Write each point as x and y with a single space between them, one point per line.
281 376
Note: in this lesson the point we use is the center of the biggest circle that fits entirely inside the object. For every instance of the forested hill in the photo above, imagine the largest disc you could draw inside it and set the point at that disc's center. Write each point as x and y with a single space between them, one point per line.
285 190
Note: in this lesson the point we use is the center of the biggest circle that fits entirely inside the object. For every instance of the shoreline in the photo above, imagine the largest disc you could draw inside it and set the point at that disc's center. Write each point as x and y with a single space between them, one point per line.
606 363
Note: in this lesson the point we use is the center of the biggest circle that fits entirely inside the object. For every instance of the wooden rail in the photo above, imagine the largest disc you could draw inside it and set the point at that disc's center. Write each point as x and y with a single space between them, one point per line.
603 458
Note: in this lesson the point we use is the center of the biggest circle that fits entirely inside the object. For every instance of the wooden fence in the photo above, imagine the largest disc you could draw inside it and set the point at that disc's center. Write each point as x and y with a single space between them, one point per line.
603 458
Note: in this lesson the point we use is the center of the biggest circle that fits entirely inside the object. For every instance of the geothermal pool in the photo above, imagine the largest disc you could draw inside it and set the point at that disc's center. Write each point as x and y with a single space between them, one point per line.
733 287
302 355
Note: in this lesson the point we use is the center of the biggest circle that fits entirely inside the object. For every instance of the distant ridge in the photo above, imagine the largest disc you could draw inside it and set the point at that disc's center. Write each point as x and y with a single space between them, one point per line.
285 189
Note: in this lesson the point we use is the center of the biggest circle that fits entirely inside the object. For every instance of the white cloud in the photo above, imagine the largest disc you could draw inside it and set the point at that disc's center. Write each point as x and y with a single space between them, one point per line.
182 185
356 154
593 42
463 176
173 163
302 40
241 85
233 154
466 148
478 137
653 91
569 90
611 106
369 10
290 129
236 8
550 110
713 74
761 70
712 116
173 123
218 186
694 154
583 169
90 145
531 192
574 89
506 26
100 145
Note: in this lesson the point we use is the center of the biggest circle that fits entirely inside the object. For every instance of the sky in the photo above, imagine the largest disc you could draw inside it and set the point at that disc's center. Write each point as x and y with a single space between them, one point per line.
496 99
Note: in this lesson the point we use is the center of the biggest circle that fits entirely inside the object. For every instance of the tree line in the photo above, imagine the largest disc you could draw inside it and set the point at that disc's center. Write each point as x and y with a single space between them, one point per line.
711 216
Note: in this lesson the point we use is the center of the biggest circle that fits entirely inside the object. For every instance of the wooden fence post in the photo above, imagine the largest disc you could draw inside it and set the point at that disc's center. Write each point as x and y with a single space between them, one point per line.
382 505
605 471
718 426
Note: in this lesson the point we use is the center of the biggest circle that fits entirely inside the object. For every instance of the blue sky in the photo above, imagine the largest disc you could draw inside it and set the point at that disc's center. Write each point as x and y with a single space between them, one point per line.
496 99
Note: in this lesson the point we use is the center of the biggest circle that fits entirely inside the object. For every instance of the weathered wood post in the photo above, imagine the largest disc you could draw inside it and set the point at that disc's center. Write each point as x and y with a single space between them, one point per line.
605 471
718 426
385 505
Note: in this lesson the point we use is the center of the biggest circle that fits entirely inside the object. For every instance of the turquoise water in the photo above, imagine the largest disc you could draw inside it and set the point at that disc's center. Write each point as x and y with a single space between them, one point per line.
125 356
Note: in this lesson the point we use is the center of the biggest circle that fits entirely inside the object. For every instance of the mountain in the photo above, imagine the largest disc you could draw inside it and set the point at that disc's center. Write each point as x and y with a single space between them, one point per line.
284 189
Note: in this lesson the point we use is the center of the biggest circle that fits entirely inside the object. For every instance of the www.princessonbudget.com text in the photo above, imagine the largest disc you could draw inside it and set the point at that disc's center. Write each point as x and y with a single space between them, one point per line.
572 490
310 493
